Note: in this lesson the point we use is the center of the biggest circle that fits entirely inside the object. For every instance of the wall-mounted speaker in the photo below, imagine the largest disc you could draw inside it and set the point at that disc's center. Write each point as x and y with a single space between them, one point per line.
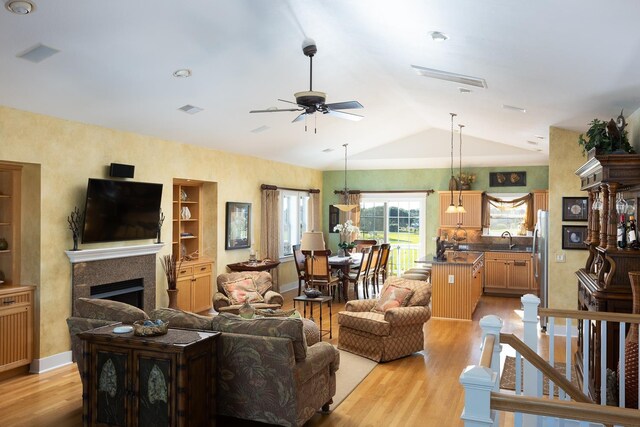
118 170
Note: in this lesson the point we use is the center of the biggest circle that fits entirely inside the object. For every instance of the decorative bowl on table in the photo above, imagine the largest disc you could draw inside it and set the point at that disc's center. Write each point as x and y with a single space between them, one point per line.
312 293
150 328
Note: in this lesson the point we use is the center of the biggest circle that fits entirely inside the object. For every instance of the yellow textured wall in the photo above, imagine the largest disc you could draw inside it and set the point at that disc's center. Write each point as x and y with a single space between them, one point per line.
65 154
565 156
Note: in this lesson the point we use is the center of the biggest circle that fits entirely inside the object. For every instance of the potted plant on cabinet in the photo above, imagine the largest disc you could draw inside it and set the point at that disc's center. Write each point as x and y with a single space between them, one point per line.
606 137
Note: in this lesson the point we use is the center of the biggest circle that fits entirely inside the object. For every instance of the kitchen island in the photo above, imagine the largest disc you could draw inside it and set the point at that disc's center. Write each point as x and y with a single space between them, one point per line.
456 284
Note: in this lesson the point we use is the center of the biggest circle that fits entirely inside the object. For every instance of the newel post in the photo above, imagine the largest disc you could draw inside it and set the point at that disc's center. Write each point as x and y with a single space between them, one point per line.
530 378
478 382
492 325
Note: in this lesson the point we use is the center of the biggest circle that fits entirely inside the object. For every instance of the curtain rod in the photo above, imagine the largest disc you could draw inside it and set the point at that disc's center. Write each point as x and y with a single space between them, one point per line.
274 187
382 191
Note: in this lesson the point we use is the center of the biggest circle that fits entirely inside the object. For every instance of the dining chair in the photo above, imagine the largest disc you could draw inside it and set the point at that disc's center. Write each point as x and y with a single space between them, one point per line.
363 243
321 277
299 260
360 275
372 278
385 251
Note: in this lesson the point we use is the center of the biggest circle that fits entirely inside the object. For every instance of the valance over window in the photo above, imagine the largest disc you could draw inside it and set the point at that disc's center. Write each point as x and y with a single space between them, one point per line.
498 203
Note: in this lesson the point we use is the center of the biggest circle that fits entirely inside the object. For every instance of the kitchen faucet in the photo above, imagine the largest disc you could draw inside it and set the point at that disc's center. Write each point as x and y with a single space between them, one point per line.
506 234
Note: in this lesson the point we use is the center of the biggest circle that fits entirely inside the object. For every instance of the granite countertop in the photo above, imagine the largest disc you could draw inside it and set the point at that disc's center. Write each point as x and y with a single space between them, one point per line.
483 247
460 257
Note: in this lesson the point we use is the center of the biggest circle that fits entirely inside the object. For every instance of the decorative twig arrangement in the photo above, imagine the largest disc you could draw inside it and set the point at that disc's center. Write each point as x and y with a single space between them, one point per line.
74 220
171 268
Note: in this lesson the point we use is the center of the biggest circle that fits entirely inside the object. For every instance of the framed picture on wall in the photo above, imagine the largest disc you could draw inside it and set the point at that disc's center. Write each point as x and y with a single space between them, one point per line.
574 209
573 236
507 179
238 226
334 218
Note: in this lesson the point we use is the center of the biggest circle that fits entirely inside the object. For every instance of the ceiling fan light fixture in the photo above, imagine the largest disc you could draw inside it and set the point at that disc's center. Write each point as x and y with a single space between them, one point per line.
20 7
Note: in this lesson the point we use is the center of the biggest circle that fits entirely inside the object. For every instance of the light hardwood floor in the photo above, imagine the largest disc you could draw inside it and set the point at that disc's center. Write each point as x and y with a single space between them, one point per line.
419 390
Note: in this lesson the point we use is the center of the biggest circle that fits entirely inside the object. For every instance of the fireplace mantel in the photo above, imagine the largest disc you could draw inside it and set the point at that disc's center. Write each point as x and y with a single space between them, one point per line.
86 255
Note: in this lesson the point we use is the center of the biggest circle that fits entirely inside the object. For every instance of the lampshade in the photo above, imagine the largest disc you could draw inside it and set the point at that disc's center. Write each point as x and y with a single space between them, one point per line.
451 209
312 241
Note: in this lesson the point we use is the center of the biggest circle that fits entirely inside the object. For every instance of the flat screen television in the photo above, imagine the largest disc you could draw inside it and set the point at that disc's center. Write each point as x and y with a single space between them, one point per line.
121 210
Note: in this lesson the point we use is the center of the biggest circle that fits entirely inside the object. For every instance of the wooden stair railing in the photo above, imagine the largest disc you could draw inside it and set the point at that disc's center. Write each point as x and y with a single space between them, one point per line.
580 411
542 365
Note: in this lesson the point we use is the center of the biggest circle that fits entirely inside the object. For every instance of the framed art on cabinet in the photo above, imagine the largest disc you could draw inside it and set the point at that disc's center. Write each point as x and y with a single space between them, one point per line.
574 209
238 226
573 236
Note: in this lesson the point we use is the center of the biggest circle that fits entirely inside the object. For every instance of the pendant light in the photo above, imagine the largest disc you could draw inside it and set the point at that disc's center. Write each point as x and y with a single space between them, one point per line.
452 181
460 208
346 207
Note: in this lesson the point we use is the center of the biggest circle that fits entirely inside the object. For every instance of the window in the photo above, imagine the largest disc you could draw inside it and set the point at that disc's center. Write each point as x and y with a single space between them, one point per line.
397 220
293 220
506 217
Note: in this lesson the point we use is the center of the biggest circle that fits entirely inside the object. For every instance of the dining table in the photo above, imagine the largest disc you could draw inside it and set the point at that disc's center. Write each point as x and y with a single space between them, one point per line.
344 264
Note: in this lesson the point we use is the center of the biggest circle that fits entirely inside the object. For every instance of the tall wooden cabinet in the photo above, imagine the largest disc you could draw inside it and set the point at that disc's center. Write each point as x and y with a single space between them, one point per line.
472 202
195 271
10 188
603 283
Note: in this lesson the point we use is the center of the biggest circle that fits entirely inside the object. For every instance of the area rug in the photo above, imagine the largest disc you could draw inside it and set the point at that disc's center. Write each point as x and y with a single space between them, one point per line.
508 378
353 370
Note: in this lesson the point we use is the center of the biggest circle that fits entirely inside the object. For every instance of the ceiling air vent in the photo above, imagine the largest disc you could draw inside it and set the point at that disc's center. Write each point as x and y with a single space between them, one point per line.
38 53
190 109
451 77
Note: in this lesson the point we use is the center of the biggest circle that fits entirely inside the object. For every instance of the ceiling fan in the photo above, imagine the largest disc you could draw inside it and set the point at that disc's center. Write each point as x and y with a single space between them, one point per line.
312 101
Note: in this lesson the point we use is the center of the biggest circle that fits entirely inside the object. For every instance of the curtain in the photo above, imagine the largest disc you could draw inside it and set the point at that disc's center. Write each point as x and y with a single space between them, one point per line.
270 230
488 201
314 212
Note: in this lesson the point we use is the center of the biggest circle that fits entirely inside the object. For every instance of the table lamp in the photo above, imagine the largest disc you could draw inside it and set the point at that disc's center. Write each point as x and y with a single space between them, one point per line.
312 241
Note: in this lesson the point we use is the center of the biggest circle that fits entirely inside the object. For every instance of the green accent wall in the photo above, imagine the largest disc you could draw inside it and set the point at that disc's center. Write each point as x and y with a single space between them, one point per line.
419 179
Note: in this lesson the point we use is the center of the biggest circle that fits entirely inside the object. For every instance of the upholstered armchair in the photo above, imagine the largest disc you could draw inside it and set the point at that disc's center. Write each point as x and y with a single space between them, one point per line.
233 288
390 327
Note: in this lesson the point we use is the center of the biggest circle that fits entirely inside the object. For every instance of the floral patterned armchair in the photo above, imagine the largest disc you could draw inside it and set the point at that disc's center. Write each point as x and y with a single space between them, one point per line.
223 301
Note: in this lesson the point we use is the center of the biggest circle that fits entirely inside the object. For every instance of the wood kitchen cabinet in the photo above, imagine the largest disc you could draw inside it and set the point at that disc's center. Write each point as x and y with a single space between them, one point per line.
540 201
508 273
167 380
472 202
194 285
16 326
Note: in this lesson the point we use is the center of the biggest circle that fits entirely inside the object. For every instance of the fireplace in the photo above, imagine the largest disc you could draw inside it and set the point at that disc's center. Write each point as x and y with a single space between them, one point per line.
126 274
128 291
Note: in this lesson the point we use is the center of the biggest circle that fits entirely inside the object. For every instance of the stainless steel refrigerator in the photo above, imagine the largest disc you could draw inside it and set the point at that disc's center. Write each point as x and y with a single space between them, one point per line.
541 261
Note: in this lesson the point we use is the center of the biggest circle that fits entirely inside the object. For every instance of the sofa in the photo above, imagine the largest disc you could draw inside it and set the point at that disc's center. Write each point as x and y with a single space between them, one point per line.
384 331
223 302
267 371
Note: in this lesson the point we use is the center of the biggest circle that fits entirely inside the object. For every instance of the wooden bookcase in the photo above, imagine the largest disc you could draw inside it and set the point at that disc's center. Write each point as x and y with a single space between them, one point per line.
195 272
10 221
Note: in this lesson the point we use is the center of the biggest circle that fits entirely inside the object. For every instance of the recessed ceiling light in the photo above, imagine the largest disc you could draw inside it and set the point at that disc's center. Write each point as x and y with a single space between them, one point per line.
532 142
327 150
190 109
511 107
437 36
451 77
539 136
20 7
182 73
464 90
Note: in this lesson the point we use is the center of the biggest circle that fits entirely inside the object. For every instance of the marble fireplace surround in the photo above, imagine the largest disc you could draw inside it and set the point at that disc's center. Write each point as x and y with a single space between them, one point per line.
93 267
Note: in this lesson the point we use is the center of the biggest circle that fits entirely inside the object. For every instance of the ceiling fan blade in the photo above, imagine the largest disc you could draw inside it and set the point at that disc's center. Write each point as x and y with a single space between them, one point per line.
343 115
300 117
276 110
344 105
290 102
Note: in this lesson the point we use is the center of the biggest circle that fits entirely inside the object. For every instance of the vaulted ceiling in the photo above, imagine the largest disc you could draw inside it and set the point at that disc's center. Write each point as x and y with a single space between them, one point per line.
564 62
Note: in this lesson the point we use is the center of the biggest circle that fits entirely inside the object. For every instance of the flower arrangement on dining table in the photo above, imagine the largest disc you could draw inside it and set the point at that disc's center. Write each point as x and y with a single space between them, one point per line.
348 232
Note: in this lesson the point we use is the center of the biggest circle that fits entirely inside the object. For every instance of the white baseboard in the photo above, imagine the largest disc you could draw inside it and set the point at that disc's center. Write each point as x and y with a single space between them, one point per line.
39 366
288 287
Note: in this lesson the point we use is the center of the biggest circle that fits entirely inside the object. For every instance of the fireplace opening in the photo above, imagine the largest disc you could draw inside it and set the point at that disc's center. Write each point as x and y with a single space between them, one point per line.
128 291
